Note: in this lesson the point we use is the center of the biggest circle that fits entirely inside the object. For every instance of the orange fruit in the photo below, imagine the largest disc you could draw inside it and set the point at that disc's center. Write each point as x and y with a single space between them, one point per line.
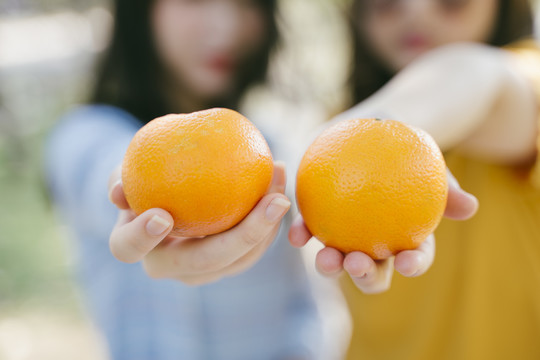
207 168
376 186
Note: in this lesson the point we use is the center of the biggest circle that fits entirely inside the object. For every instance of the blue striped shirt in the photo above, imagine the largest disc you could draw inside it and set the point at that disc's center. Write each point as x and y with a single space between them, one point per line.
265 313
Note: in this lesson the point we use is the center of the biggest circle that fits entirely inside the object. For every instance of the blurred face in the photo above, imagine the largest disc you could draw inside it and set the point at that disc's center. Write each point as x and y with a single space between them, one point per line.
400 30
203 43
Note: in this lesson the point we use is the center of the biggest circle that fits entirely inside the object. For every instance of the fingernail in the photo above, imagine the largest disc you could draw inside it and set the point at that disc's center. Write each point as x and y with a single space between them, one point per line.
474 201
115 185
453 182
368 274
471 196
277 208
157 225
281 179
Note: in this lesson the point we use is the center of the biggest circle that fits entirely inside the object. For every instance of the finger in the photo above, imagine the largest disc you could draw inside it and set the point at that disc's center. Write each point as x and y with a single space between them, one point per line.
117 196
279 178
237 267
299 234
252 257
214 253
460 205
124 217
115 176
329 262
131 241
416 262
358 264
370 276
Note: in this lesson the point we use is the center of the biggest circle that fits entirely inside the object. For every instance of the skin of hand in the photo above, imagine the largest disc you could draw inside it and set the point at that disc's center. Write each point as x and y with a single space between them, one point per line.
196 261
375 276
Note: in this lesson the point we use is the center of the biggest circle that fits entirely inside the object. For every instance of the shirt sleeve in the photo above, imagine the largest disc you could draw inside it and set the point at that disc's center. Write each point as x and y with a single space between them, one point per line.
527 56
81 152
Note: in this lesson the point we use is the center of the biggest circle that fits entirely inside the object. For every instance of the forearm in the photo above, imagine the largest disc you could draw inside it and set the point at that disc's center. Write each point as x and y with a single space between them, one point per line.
452 93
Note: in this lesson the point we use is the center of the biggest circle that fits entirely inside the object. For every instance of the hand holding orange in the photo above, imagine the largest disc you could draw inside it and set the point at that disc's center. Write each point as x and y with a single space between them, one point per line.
376 186
208 169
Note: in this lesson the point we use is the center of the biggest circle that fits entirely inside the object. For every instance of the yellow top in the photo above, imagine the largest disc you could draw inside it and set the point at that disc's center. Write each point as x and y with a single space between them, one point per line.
481 298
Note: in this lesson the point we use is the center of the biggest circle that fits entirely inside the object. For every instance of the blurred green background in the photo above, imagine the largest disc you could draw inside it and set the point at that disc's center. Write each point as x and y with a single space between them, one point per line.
42 72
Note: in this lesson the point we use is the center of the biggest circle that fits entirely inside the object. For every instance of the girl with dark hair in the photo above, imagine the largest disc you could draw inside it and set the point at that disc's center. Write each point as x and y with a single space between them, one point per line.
179 56
145 72
467 72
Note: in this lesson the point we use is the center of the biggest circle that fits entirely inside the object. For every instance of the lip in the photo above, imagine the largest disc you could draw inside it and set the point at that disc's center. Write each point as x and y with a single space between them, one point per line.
221 63
415 41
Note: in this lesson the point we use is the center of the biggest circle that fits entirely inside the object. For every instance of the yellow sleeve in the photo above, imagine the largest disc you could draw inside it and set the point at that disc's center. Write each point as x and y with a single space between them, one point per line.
527 55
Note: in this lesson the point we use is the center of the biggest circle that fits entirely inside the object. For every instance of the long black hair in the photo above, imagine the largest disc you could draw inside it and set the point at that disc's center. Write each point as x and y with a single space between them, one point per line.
368 74
129 75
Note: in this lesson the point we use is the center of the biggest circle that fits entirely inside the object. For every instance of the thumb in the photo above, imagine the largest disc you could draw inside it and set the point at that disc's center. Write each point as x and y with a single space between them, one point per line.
279 178
460 205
